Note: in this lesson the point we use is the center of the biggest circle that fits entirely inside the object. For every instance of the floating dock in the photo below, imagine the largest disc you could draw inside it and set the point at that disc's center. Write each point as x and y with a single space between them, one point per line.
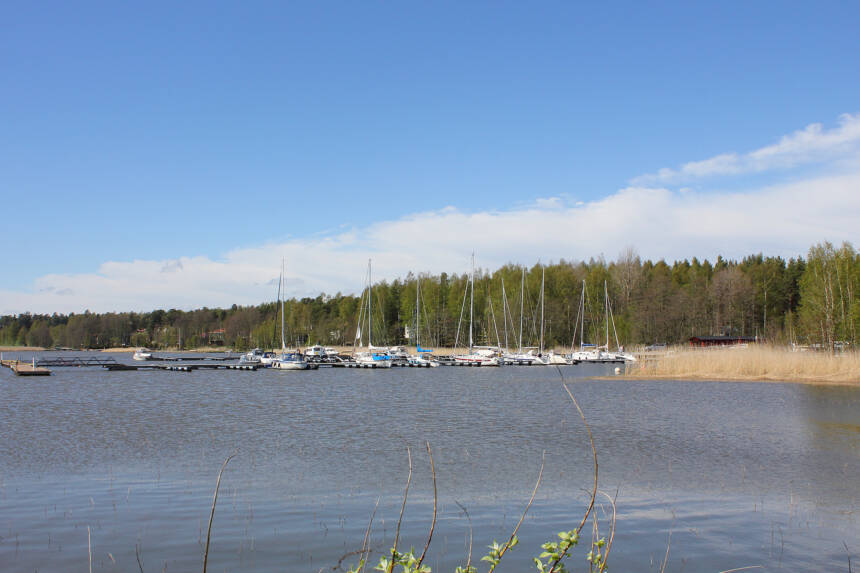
23 368
74 362
182 368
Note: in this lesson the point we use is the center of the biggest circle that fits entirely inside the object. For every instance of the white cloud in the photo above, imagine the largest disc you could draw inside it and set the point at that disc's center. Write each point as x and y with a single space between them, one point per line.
813 144
780 220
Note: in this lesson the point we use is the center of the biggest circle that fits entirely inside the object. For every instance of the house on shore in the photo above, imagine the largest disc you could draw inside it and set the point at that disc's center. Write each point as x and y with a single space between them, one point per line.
725 340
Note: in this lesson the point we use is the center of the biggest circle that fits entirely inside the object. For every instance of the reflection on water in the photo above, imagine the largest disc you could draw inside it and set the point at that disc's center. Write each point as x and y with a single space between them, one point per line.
742 474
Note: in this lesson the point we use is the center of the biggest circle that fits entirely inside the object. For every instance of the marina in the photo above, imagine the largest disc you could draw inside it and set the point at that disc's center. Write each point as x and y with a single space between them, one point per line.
38 365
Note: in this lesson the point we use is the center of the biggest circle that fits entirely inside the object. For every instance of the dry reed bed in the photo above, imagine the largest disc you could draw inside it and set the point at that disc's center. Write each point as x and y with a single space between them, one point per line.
755 362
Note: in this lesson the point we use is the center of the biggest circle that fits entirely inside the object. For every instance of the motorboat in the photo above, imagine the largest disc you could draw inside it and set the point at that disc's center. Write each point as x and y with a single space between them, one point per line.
267 358
254 356
323 354
142 354
373 358
291 361
421 361
479 357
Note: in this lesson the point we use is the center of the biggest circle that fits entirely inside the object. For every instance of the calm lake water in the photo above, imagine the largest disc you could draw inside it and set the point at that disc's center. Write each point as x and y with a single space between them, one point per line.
737 474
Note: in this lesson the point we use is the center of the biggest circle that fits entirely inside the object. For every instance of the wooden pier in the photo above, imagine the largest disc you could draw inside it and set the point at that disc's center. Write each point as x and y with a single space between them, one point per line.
74 362
181 368
23 368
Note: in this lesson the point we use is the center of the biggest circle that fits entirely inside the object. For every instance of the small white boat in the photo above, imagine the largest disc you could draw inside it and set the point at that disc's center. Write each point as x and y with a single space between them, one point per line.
319 353
553 359
422 361
142 354
520 358
267 358
479 357
253 357
290 361
373 358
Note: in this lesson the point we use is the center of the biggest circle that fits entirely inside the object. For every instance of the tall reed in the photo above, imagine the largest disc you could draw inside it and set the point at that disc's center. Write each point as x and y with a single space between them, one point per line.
754 362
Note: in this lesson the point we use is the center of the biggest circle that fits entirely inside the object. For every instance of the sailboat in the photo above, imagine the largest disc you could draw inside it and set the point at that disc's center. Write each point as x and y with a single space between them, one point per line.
288 359
520 358
421 359
592 353
529 358
373 357
476 356
547 358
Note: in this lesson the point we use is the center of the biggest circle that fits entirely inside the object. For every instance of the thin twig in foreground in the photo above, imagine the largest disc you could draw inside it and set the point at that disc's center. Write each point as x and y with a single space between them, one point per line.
743 568
558 560
611 530
402 509
90 547
212 513
137 556
432 525
523 517
365 548
593 455
666 557
469 519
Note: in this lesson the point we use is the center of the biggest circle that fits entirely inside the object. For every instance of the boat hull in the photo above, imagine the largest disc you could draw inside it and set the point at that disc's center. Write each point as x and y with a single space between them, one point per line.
286 365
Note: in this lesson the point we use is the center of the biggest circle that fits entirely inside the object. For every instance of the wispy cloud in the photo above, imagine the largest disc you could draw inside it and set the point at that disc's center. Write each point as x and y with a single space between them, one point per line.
658 222
810 145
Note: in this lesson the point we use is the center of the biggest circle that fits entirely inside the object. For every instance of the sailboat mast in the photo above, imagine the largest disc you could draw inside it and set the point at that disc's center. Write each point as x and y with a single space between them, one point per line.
417 313
542 277
369 307
505 312
606 304
582 324
281 295
471 303
522 299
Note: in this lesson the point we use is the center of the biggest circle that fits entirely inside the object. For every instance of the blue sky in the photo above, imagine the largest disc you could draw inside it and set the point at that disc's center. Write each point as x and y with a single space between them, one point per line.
227 135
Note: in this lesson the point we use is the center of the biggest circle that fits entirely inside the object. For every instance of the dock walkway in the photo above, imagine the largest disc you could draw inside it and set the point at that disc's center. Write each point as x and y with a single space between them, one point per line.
23 368
182 368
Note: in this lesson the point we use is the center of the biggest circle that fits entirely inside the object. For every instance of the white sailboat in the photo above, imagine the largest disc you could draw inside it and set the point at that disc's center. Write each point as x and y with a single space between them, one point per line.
476 356
591 353
547 358
529 358
421 358
373 357
520 358
288 359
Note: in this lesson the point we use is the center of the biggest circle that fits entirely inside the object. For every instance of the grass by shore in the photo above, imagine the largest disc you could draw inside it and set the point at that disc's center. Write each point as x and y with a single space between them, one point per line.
752 363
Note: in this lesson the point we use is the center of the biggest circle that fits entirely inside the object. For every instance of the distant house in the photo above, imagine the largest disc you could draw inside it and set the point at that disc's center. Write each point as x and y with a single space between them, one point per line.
215 337
721 340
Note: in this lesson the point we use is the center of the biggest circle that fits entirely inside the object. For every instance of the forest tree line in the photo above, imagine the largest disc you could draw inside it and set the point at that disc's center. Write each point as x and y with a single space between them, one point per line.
812 300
